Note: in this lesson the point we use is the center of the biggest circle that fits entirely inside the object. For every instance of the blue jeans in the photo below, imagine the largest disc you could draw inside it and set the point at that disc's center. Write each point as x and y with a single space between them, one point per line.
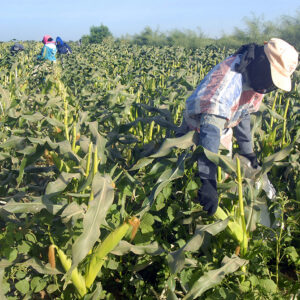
211 127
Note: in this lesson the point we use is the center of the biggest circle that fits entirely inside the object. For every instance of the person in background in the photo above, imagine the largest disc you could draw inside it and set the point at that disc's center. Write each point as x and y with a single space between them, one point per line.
225 98
62 47
49 50
16 48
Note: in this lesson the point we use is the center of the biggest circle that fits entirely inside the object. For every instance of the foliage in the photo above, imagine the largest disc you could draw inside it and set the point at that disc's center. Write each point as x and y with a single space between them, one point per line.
88 146
290 28
97 34
253 29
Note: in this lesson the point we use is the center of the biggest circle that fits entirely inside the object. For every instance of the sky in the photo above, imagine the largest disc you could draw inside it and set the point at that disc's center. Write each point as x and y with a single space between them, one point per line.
71 19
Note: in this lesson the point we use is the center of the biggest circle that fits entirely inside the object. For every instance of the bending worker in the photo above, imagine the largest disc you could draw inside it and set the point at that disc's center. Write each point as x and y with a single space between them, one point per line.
225 98
48 51
62 47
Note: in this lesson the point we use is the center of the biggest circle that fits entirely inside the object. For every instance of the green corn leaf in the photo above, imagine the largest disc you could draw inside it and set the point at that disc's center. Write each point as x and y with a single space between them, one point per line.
39 266
272 159
214 277
2 296
100 141
124 247
4 155
143 162
60 184
14 142
55 122
34 117
176 259
183 142
264 107
103 197
31 207
166 177
21 171
96 294
73 211
225 162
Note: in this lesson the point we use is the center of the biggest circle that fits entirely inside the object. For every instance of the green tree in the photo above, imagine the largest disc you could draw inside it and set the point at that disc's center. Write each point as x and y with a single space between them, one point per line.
150 37
257 30
290 29
97 34
188 39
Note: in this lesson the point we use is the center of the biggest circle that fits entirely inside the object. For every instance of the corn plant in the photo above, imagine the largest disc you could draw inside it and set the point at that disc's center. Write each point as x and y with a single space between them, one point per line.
88 155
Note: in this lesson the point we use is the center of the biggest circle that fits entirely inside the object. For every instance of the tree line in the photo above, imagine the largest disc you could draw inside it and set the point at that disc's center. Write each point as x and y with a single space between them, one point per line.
256 29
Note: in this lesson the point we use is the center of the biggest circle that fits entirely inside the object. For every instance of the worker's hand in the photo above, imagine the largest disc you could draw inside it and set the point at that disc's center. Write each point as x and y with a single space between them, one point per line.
253 159
208 196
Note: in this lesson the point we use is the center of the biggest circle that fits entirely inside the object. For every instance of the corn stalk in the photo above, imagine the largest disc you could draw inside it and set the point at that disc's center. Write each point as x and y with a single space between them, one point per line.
237 224
284 123
241 214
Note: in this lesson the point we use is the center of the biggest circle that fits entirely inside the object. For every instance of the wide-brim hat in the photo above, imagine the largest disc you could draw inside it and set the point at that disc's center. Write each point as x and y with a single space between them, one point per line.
283 59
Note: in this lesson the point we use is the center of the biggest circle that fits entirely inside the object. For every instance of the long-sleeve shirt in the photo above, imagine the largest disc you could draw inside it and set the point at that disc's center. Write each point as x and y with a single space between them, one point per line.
63 48
222 100
222 92
48 52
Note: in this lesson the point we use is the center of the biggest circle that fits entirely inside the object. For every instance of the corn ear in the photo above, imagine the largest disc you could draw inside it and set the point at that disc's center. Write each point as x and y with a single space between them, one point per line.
74 138
89 160
66 120
95 167
97 259
51 256
151 131
76 277
235 228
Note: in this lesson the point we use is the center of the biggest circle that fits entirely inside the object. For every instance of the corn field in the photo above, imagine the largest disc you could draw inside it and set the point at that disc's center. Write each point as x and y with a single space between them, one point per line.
97 195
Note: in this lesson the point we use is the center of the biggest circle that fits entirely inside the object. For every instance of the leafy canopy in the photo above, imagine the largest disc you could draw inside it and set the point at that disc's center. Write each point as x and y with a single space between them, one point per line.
97 34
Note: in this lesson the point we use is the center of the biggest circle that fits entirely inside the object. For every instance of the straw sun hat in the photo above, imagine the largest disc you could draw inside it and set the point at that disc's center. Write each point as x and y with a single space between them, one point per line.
283 59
